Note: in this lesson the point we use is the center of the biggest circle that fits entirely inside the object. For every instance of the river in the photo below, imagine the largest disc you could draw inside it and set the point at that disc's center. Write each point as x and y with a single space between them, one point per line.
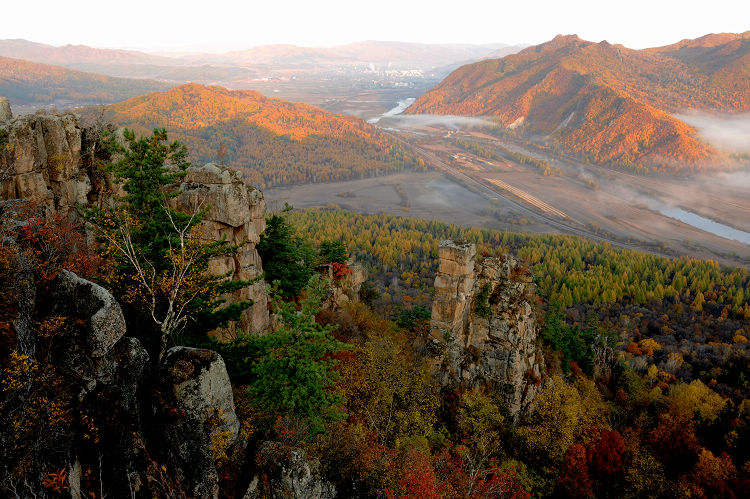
400 108
706 224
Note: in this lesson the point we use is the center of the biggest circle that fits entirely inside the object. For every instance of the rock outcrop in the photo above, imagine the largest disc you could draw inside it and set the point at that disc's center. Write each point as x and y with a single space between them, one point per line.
343 288
286 472
79 334
236 213
454 285
42 161
5 112
196 418
74 297
484 318
47 160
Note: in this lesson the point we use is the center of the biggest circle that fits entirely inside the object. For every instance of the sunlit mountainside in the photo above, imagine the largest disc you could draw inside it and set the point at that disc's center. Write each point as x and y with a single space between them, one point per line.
605 102
270 140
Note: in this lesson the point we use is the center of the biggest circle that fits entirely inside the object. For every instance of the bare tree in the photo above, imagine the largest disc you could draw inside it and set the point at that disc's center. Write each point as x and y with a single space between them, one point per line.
168 295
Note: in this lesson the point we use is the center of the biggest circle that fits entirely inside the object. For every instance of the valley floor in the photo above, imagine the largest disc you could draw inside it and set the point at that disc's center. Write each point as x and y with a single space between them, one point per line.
593 202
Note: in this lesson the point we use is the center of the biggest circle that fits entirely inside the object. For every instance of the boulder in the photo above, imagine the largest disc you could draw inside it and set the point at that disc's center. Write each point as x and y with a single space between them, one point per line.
286 472
105 369
78 298
194 413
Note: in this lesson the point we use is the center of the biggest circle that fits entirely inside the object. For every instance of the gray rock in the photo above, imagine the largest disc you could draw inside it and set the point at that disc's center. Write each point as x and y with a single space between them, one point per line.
5 112
195 411
235 213
286 472
48 162
24 322
76 297
44 159
345 289
453 287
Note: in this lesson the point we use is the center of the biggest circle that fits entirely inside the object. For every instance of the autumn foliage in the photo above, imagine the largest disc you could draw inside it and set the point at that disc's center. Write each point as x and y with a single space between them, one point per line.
57 242
271 141
605 103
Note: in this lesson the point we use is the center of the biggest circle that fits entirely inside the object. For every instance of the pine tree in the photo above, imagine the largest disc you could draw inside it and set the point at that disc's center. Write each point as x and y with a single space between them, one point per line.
161 273
333 252
287 261
294 373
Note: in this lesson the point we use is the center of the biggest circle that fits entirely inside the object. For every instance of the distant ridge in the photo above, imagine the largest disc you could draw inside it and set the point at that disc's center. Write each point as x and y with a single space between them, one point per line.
75 55
397 54
30 83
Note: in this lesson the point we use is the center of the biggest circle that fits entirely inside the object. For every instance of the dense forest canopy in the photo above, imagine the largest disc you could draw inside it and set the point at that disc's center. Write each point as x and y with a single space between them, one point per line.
696 310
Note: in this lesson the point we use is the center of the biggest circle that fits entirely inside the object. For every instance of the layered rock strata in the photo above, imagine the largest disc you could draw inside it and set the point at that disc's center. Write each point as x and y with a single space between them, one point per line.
40 160
484 318
235 213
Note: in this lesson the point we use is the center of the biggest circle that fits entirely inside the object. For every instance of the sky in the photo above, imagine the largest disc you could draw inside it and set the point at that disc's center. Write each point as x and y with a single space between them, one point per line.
221 25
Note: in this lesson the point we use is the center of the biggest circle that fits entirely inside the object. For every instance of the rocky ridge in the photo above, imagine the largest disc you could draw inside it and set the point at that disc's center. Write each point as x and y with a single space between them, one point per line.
160 429
236 213
484 319
48 161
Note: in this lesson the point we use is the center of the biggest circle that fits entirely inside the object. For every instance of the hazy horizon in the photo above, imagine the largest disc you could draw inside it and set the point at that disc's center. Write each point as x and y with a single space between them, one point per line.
225 26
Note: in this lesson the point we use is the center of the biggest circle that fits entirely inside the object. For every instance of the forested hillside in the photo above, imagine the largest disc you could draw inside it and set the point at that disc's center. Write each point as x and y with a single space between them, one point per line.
272 142
604 102
645 393
27 82
696 311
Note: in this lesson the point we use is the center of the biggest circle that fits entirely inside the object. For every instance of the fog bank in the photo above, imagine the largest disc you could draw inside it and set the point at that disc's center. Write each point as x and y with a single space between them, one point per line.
448 121
723 131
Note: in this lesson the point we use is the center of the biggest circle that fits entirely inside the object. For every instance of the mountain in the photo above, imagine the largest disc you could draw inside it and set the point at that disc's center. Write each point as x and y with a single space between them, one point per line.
29 83
604 102
131 62
394 54
121 63
273 142
76 56
723 58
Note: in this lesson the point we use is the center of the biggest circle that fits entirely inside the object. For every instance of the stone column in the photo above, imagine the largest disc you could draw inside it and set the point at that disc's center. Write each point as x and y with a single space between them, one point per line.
453 288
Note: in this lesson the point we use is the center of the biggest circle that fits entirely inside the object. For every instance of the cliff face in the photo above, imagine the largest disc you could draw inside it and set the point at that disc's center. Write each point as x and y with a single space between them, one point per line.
40 160
483 317
47 160
236 212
